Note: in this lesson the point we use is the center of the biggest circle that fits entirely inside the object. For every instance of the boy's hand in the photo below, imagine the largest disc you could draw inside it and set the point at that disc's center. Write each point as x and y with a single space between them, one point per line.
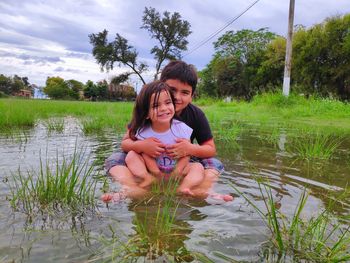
152 147
180 149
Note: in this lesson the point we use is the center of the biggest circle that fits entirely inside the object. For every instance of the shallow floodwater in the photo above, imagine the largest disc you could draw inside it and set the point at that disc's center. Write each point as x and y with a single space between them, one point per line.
208 226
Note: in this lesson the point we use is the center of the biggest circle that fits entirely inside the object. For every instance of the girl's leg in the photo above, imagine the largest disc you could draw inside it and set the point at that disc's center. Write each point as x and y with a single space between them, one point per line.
137 167
194 174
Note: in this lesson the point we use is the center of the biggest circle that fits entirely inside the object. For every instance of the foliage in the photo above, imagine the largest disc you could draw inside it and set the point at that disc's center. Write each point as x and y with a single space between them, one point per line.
234 69
97 91
250 62
321 58
75 87
171 33
12 85
57 88
118 51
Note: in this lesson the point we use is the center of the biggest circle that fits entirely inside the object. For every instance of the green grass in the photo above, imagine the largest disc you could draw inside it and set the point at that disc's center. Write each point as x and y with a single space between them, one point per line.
322 238
156 232
227 120
54 125
314 146
67 184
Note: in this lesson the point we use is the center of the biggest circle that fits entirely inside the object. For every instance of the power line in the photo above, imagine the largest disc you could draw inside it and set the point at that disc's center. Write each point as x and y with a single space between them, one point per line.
221 29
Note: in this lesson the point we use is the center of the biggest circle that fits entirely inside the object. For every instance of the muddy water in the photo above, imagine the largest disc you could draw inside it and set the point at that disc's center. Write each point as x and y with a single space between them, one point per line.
233 229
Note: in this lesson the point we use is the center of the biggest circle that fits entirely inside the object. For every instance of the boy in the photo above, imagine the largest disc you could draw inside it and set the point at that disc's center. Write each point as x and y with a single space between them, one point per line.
182 78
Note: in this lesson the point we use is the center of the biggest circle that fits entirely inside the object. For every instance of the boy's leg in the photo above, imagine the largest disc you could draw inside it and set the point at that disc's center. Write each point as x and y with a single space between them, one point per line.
116 168
137 167
212 170
194 174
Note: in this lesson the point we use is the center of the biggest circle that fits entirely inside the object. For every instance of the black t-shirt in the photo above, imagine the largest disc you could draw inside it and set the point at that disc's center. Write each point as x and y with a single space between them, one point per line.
195 118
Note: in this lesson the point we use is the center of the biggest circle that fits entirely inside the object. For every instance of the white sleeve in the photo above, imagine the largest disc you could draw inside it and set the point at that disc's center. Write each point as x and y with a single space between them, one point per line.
183 131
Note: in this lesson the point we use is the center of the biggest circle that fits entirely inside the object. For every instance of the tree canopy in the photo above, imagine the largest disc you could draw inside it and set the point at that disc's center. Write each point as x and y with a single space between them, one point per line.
170 31
248 62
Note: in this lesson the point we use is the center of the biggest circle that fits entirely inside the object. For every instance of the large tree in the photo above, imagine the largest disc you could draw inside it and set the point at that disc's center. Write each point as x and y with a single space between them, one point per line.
170 31
234 69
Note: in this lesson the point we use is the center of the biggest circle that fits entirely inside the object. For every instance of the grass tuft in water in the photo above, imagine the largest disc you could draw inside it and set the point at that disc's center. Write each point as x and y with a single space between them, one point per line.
92 126
69 184
54 125
320 239
315 146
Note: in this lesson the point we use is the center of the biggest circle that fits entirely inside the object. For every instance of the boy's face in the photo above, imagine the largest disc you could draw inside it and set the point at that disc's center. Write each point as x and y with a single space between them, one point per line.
182 93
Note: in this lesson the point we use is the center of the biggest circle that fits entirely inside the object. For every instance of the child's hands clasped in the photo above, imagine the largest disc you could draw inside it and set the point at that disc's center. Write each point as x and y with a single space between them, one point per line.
180 149
153 147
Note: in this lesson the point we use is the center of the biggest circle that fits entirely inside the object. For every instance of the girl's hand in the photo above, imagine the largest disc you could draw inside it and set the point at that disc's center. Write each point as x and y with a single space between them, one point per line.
152 147
180 149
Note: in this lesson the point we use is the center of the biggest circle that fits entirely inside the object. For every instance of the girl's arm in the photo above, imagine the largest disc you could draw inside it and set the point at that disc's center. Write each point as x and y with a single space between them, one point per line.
151 164
180 166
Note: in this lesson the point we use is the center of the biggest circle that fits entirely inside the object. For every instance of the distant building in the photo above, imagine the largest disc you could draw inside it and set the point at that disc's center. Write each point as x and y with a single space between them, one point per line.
24 93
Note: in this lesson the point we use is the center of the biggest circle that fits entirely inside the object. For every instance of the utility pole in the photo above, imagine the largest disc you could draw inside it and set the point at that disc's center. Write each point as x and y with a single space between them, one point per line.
288 60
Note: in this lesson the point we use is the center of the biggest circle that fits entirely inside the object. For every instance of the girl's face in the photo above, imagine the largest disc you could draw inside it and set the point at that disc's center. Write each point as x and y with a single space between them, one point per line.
162 110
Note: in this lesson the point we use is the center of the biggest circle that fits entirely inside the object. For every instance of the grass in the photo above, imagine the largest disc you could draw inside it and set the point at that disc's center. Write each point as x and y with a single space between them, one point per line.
319 239
314 146
67 184
227 119
156 231
54 125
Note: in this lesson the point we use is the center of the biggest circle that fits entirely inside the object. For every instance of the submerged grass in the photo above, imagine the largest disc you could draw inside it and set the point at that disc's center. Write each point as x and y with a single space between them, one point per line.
315 146
320 239
69 184
156 231
54 125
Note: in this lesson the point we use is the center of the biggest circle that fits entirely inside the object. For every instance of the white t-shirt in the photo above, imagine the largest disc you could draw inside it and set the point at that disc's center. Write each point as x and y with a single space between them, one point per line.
177 130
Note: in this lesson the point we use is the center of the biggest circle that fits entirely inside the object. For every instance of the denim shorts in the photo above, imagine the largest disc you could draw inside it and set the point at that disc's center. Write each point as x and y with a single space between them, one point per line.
118 158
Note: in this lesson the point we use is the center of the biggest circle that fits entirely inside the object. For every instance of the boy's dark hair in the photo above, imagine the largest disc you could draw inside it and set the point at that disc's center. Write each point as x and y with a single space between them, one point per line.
181 71
142 105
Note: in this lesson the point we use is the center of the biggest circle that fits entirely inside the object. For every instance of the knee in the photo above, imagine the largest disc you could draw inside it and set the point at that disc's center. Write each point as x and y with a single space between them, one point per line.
211 174
198 167
131 157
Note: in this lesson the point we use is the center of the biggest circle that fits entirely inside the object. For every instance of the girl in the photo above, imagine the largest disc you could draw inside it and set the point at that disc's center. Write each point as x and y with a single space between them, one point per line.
153 117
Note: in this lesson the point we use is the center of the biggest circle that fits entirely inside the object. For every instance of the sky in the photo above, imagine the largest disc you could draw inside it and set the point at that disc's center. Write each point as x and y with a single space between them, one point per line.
46 38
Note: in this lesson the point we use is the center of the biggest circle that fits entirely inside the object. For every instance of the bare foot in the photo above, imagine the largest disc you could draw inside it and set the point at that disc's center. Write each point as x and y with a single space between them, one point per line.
113 197
148 180
185 191
216 196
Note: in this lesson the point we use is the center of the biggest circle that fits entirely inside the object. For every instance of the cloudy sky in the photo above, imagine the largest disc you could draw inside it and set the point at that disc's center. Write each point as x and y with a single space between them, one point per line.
41 38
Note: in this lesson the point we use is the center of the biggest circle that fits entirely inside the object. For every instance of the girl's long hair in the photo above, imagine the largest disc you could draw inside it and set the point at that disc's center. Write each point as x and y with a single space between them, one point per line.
142 105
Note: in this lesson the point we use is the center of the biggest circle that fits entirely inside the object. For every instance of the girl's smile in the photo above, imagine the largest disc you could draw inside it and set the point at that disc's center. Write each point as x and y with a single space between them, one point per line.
161 111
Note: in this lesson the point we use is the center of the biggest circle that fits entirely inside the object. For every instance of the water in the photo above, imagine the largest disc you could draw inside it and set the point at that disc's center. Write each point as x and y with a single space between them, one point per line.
233 229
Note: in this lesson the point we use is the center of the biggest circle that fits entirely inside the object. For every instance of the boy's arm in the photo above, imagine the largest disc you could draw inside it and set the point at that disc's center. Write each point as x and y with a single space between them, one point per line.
151 164
150 146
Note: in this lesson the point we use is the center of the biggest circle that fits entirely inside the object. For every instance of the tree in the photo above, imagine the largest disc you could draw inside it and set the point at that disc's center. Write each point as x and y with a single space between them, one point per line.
56 88
118 51
235 66
5 84
171 33
75 87
90 90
